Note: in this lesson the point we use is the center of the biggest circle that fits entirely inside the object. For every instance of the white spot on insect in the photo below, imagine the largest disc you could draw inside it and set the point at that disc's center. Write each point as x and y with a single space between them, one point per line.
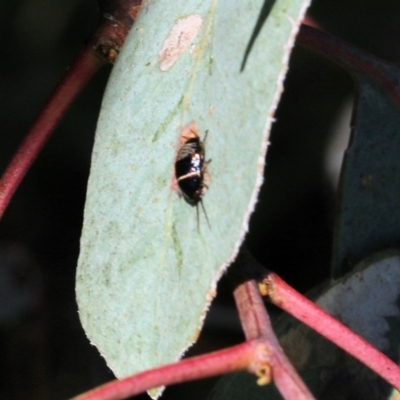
179 39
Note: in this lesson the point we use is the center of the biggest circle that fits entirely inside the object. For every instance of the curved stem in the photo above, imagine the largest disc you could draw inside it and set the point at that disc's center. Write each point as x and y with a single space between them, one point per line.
104 46
285 297
220 362
76 77
352 58
257 324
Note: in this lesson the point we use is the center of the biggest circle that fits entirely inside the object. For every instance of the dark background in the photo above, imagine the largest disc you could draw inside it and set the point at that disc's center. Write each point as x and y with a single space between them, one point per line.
44 353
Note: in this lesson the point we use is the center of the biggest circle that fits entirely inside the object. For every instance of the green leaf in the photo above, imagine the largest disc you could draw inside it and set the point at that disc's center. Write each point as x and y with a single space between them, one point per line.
147 271
368 217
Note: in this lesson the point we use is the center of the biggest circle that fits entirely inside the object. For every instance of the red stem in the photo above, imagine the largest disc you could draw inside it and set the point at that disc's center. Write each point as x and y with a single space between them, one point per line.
256 324
285 297
352 58
220 362
104 46
85 65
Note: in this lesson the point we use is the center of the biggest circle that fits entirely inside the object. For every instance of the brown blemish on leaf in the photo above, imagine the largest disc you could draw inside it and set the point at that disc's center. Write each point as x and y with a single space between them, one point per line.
366 180
197 334
179 39
189 131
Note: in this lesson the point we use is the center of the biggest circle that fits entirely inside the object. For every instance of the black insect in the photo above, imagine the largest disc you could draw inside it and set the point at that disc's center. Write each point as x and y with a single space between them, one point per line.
191 171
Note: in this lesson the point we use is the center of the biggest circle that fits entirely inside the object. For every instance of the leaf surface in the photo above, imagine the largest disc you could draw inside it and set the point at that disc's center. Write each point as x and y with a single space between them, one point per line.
368 214
147 270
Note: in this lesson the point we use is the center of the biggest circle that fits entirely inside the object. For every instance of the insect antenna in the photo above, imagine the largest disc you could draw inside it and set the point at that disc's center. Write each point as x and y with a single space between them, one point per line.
204 211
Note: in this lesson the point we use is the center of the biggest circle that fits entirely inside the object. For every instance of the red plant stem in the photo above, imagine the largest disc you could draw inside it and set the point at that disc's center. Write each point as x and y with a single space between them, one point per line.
351 58
310 21
256 324
220 362
285 297
103 47
85 65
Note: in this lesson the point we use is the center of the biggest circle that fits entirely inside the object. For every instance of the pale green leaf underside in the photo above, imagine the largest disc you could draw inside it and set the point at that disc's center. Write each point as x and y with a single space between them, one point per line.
146 272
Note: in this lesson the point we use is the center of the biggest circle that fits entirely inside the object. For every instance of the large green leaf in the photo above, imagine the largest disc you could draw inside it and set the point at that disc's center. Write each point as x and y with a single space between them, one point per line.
368 214
147 272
